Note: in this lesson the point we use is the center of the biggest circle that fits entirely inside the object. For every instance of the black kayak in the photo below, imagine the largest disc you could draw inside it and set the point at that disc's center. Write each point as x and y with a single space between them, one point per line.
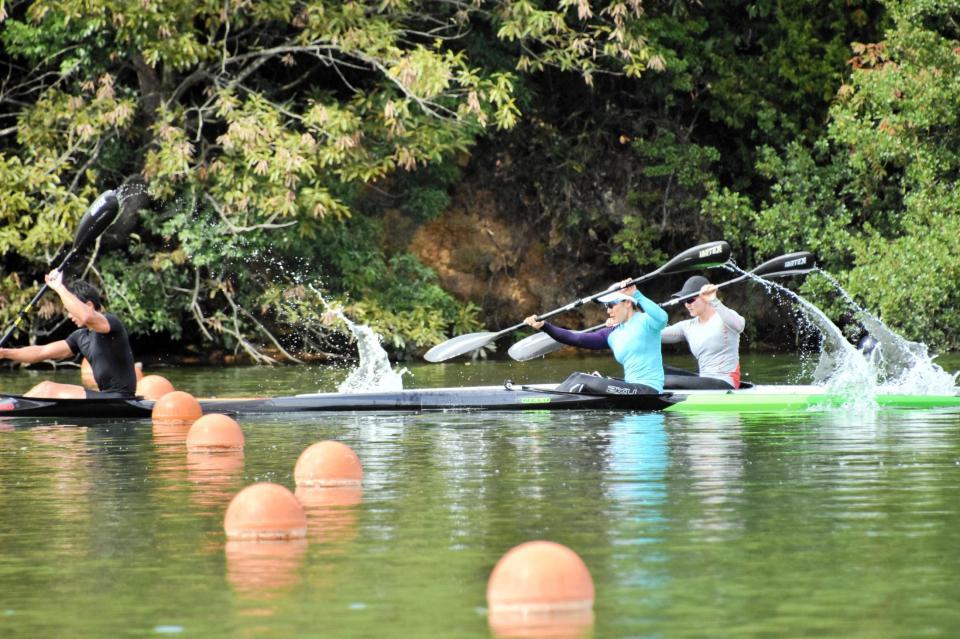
19 406
508 398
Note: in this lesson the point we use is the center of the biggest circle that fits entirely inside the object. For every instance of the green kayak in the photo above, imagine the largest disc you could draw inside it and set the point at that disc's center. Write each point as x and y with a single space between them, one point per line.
797 398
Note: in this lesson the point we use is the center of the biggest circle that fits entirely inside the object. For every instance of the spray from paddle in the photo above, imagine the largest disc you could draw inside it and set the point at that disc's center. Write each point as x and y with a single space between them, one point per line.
902 366
895 366
842 369
373 373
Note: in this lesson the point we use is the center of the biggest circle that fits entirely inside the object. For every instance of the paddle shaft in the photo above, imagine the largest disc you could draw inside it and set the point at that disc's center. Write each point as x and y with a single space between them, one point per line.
783 266
36 298
540 344
673 266
703 256
578 303
98 217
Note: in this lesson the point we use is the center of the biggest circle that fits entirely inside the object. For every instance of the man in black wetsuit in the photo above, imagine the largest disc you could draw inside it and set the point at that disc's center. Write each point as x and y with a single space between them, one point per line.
101 338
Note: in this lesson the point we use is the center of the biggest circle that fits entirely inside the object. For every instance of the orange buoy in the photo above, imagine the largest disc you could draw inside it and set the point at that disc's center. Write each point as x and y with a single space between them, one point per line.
213 433
86 375
540 577
328 463
176 406
264 512
154 387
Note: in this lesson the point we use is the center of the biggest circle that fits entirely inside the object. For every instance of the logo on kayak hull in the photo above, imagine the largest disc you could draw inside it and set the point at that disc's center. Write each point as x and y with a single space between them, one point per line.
620 390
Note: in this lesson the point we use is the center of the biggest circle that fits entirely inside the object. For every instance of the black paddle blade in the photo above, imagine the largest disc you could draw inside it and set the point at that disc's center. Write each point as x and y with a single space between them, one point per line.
95 221
703 256
789 264
98 217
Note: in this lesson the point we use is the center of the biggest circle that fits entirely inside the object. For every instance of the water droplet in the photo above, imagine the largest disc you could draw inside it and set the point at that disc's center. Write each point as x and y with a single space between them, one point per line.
168 630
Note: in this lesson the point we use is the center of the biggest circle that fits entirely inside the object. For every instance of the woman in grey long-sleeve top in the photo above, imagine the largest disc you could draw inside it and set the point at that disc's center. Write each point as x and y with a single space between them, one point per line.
713 333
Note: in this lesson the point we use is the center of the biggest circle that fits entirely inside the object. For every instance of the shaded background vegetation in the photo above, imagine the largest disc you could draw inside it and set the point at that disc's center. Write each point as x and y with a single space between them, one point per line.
435 167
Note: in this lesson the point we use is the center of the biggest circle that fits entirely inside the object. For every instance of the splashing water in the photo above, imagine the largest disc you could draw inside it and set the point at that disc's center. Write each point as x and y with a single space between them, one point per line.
902 366
374 371
896 365
842 369
130 189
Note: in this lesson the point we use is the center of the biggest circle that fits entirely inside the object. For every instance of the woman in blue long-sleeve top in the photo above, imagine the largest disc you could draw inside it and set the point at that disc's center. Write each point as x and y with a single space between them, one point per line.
633 334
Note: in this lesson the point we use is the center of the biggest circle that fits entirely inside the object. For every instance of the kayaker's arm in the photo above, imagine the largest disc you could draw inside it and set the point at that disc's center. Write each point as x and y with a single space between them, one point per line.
732 319
658 316
728 316
597 340
673 334
34 354
83 314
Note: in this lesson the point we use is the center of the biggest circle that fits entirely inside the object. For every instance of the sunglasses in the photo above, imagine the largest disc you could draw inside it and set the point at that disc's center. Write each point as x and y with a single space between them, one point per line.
691 300
612 304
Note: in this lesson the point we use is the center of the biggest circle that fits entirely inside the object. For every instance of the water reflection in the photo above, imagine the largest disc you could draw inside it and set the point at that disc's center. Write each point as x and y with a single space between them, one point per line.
639 459
57 452
169 448
332 514
264 569
214 477
170 433
569 625
709 452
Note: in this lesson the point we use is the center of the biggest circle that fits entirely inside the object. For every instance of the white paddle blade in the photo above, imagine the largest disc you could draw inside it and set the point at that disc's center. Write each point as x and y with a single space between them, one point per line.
536 345
459 345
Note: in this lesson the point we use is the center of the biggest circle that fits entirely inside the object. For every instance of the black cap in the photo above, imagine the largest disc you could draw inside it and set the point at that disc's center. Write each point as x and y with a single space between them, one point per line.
691 286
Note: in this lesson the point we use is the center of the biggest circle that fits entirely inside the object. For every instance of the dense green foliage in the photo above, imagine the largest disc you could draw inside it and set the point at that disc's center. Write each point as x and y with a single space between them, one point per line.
874 194
260 147
256 128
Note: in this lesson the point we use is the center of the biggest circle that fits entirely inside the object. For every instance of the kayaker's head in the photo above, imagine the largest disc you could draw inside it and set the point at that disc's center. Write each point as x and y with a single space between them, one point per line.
694 305
86 293
620 306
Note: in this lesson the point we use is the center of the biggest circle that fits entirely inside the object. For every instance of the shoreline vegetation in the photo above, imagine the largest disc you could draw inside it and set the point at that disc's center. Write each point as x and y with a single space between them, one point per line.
437 169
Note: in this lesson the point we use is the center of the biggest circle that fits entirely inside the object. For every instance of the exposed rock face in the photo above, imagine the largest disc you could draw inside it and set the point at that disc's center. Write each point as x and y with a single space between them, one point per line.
497 260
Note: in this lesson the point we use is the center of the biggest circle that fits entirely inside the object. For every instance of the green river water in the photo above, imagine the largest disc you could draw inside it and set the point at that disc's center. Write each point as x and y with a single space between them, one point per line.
816 524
